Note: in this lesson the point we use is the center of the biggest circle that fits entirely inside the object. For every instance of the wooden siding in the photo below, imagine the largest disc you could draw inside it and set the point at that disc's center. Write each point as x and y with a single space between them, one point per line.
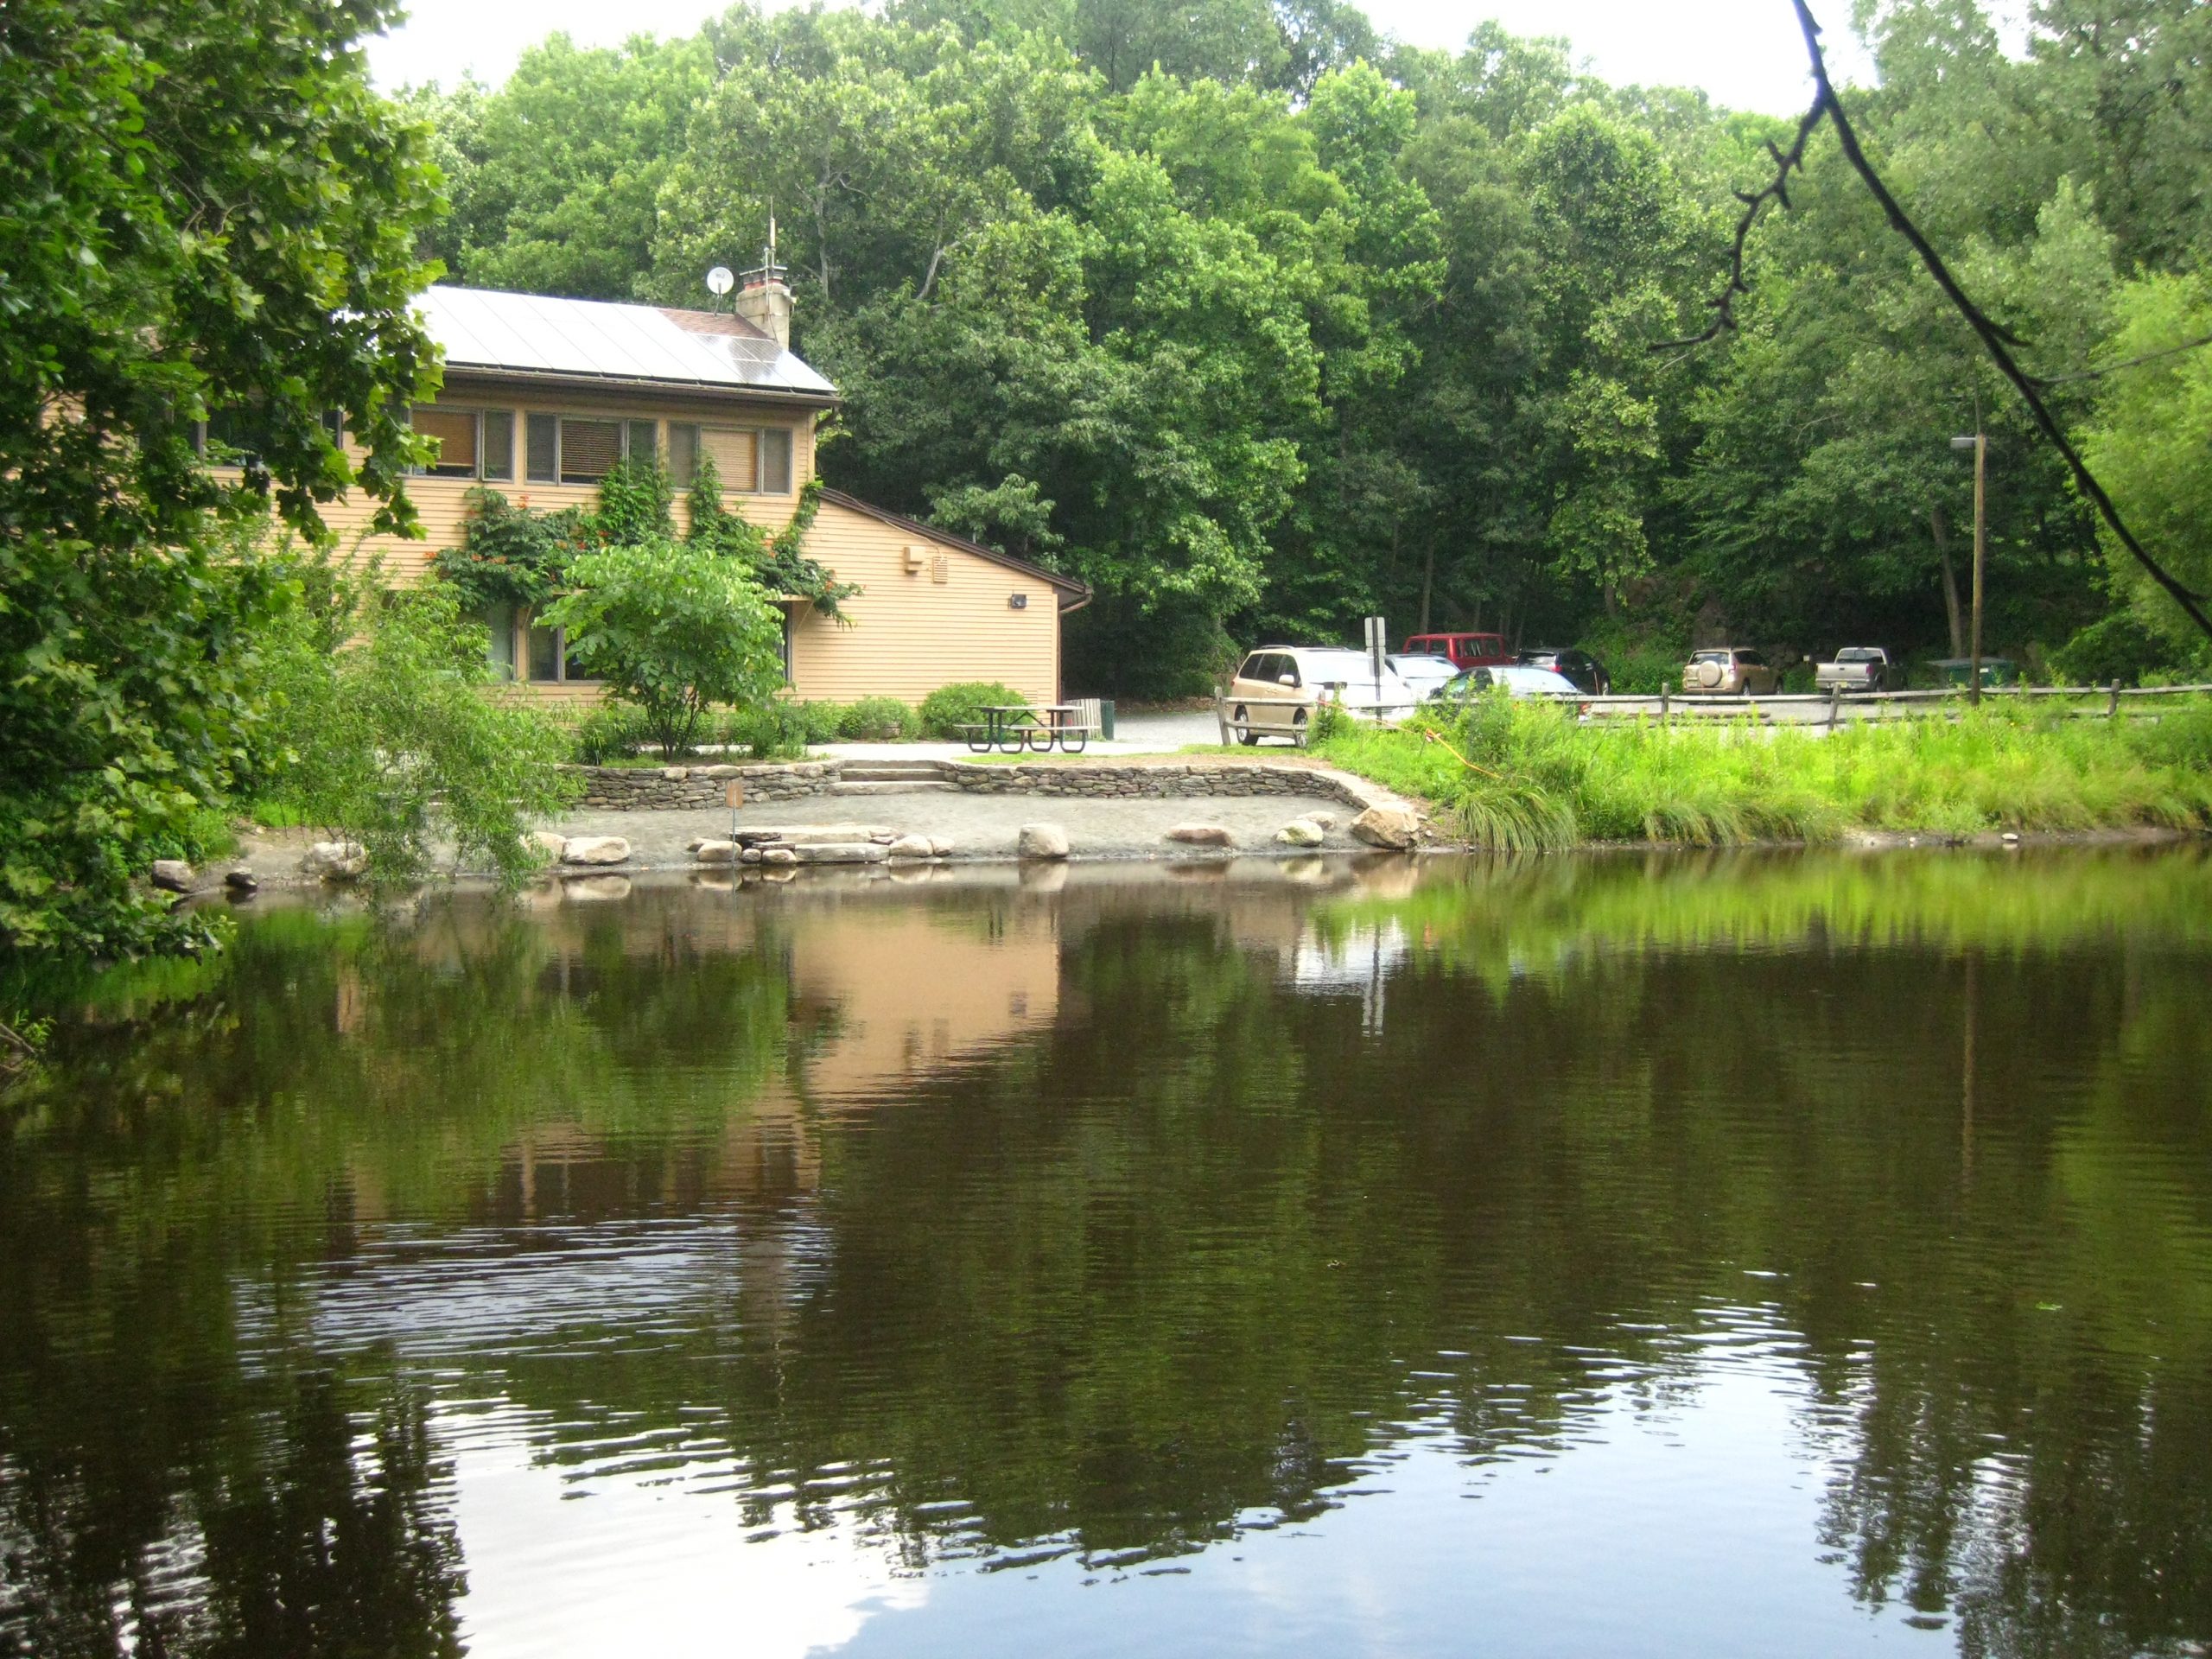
441 502
911 633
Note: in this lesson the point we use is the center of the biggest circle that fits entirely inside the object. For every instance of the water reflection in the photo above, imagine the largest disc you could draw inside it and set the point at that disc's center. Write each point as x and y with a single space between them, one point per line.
1778 1251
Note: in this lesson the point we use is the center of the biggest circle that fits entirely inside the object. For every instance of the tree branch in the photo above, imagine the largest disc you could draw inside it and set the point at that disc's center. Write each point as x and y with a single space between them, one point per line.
1996 340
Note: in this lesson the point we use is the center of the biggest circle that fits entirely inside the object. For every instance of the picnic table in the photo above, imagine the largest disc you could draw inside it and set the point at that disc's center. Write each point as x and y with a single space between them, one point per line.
1011 727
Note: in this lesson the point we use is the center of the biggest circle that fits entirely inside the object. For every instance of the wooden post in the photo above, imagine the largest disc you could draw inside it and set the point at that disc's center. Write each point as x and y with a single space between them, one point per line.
1980 556
1221 712
1664 692
1835 704
2112 702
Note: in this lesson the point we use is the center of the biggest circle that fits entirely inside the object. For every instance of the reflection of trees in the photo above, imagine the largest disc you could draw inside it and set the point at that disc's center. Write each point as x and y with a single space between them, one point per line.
254 1527
1183 1261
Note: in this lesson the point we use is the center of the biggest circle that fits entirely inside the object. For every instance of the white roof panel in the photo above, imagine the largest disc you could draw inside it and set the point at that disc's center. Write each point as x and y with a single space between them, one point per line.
529 333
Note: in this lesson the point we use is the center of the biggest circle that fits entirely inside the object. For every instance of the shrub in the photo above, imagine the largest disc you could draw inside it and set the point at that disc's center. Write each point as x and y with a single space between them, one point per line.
673 629
950 707
821 722
772 731
879 719
610 732
390 740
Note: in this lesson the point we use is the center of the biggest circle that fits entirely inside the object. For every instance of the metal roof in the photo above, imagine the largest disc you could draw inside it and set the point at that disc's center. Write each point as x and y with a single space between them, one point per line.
484 330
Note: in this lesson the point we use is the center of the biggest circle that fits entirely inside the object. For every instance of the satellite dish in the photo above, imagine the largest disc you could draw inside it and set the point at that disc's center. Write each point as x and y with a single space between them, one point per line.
719 280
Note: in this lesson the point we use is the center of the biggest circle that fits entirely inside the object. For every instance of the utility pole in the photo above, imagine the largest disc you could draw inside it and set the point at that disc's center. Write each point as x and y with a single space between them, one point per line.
1979 444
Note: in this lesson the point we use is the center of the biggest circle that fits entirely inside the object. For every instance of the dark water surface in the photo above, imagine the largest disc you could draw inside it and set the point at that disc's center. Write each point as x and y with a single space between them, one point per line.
1755 1256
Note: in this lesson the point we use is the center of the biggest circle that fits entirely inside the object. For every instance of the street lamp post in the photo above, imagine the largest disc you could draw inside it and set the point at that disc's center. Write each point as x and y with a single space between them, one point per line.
1979 444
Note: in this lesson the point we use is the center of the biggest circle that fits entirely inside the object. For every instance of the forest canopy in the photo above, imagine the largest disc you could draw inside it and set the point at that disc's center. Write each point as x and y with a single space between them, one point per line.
1260 321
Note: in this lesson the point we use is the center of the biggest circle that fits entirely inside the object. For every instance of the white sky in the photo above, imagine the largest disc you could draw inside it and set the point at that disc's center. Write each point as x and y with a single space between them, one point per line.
1746 54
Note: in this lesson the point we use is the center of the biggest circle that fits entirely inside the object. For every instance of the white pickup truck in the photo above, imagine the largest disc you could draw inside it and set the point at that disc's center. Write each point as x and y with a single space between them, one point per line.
1856 668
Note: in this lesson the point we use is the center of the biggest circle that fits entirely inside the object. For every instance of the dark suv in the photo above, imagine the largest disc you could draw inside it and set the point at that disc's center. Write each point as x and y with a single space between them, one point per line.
1585 671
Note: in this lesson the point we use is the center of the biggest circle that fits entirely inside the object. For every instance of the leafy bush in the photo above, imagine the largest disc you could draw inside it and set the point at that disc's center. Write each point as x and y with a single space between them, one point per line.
879 719
2118 648
771 731
950 707
822 721
610 732
673 629
390 740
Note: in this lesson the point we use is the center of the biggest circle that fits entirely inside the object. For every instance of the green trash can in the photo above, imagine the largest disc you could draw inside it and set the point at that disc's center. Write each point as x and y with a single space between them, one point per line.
1106 717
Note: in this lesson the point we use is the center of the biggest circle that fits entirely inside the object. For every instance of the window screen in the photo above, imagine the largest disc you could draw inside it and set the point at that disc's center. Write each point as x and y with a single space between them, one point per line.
454 431
498 443
588 449
775 461
544 439
736 455
683 452
500 620
641 439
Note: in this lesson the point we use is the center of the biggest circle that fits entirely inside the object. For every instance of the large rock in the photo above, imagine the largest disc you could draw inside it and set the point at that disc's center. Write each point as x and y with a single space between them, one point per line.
840 852
940 847
715 852
1202 835
594 849
545 842
1041 840
173 875
909 847
241 879
778 856
1301 832
336 861
1394 827
798 834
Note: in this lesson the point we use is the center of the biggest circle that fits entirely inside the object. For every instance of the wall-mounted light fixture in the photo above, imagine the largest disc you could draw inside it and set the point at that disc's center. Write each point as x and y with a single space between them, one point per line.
1017 601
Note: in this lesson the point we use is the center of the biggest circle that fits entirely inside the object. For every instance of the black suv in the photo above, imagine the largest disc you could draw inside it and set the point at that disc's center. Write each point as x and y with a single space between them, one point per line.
1585 671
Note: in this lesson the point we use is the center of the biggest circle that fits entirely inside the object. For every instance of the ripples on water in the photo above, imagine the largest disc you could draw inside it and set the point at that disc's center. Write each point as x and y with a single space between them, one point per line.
1743 1255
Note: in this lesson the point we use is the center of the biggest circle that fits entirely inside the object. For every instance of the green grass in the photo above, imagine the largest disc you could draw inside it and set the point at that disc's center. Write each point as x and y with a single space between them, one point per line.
1533 779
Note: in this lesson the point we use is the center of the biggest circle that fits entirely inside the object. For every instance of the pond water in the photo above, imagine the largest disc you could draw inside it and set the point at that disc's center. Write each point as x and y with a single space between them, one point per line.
1805 1255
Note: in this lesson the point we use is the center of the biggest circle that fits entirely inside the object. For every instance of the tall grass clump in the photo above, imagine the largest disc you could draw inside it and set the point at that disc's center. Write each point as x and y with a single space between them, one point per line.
1528 777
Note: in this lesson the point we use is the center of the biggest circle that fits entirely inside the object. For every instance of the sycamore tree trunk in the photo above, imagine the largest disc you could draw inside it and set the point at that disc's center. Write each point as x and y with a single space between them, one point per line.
1936 528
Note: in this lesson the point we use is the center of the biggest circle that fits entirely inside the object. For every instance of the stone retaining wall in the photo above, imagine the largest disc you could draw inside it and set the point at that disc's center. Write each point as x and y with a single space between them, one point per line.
672 789
1171 781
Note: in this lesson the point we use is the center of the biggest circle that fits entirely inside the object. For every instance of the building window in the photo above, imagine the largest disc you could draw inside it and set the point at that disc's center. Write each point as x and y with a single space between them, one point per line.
639 439
500 622
472 442
543 437
588 449
546 658
750 460
498 447
775 461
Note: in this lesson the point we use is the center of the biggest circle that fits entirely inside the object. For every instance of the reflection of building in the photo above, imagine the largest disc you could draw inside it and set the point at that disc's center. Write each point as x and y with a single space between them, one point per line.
910 991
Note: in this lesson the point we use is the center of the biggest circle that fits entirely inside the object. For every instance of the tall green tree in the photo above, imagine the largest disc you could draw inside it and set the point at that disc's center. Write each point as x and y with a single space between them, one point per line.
203 210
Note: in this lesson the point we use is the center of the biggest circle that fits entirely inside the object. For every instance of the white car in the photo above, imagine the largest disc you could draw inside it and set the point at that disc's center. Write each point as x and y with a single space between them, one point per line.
1275 688
1518 679
1421 671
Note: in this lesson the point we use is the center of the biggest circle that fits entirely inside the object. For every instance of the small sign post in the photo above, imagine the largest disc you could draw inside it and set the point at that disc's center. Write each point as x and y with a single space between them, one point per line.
1378 647
735 796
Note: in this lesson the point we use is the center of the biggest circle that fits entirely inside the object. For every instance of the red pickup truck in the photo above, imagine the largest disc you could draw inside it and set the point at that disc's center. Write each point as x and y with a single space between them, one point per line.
1466 650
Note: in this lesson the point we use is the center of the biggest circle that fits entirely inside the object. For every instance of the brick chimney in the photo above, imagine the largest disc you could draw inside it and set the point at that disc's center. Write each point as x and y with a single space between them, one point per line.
764 299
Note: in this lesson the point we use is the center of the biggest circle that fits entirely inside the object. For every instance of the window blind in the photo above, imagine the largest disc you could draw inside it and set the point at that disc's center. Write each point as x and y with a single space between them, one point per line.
456 432
589 449
735 456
